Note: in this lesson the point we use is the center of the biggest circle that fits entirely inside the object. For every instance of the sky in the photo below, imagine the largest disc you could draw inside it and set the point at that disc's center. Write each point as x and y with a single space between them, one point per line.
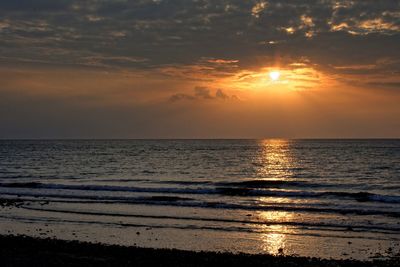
199 69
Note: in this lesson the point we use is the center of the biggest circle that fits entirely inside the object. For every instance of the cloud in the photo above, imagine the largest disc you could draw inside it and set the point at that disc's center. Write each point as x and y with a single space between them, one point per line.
178 97
222 61
203 93
258 8
221 95
190 30
393 85
201 40
366 17
34 6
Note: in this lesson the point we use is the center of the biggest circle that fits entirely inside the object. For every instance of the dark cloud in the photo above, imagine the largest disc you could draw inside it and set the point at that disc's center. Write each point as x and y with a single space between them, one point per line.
203 93
221 95
183 31
394 85
34 6
180 96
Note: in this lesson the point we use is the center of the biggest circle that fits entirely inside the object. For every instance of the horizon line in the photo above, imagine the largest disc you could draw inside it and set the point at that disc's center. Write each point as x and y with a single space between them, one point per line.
189 139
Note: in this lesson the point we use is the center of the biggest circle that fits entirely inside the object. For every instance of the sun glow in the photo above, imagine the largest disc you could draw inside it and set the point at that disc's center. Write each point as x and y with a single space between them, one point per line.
274 75
295 77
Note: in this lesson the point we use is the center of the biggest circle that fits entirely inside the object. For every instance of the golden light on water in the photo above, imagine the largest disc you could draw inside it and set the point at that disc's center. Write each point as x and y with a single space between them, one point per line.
274 236
275 162
275 159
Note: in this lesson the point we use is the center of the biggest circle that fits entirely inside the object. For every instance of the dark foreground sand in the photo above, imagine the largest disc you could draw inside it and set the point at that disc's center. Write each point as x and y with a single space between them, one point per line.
28 251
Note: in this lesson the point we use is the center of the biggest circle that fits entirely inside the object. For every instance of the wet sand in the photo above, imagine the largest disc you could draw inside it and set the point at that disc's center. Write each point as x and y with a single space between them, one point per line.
28 251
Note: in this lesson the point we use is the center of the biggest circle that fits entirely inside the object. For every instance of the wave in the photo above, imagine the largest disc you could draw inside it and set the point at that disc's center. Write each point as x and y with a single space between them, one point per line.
330 226
227 191
184 182
110 188
262 183
282 184
188 227
186 202
358 196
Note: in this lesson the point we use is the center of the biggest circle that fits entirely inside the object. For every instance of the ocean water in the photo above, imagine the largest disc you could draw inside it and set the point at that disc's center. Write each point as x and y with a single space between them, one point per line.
324 198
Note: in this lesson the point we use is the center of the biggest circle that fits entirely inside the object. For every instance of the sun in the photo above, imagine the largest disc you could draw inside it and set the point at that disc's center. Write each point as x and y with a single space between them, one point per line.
274 75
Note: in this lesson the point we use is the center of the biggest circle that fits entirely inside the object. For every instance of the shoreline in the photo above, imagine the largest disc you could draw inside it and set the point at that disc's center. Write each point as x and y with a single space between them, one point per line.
29 251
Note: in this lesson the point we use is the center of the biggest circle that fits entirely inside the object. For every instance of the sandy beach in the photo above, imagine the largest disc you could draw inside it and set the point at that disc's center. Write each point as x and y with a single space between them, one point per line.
28 251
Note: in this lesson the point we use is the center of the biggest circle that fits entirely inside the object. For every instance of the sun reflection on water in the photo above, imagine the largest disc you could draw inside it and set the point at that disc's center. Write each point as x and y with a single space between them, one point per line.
274 236
275 159
275 162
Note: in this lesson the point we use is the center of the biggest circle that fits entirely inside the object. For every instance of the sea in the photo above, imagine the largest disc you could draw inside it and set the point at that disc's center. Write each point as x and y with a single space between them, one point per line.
319 198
